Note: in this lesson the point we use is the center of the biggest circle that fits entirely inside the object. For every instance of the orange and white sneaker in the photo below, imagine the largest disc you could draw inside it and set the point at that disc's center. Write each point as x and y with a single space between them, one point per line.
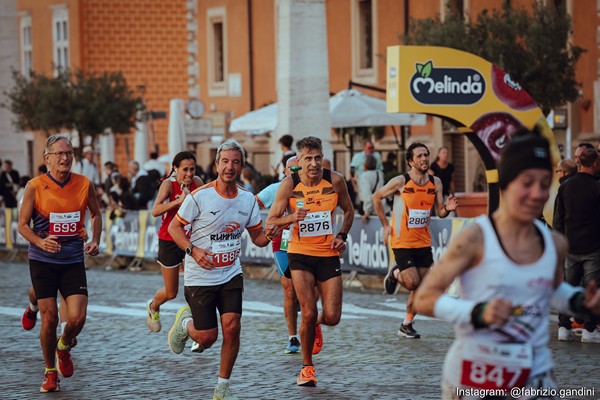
64 363
318 343
307 376
51 382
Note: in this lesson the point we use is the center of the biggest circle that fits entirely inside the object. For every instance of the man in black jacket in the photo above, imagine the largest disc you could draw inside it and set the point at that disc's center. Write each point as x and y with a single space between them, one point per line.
577 215
9 185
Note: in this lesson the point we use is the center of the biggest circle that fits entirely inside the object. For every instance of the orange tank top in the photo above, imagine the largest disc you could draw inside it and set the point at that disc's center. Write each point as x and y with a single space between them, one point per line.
314 235
59 209
410 216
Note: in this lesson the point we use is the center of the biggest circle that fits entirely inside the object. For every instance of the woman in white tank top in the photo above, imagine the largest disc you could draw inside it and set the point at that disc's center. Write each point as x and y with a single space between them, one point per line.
510 270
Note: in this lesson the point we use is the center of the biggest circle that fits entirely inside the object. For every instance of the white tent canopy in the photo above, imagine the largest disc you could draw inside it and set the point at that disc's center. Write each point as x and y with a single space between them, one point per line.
348 108
256 122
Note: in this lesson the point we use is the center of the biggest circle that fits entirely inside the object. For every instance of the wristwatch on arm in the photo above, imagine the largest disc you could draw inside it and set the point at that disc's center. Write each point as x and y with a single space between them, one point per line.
189 250
342 235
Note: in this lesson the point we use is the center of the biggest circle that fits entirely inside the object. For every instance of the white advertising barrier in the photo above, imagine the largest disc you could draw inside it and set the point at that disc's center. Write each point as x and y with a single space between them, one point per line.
135 234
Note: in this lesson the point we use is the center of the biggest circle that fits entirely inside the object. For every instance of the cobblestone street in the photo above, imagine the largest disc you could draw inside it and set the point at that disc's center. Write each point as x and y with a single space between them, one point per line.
118 358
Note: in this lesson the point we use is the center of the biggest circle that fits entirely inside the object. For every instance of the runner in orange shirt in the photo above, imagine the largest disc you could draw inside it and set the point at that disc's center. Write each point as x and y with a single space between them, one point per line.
56 203
313 194
415 194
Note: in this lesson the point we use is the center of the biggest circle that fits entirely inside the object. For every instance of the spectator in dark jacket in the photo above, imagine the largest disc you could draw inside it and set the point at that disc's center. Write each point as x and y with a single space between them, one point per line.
9 184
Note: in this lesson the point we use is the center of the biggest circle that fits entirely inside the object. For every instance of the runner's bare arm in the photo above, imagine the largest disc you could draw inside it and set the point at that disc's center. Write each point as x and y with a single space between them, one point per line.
50 243
464 251
339 185
92 248
198 181
280 205
591 294
393 187
25 213
263 238
561 244
443 210
164 191
201 256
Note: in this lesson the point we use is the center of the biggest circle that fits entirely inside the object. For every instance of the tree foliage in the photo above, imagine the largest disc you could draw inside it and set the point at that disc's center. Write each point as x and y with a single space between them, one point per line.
87 102
534 48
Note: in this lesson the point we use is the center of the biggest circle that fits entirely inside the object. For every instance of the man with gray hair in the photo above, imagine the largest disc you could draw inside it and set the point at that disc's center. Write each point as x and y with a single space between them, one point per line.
218 213
57 203
312 195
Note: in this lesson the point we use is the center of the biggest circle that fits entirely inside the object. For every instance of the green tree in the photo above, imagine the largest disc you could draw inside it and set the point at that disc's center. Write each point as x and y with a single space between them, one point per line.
534 48
88 102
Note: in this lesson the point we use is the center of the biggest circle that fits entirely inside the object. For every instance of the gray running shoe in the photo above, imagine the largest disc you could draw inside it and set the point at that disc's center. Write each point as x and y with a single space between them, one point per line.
223 392
177 334
153 318
408 331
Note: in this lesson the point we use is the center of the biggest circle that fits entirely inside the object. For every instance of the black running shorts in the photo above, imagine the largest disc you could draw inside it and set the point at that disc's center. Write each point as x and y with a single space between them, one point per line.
49 278
408 258
205 300
323 268
169 254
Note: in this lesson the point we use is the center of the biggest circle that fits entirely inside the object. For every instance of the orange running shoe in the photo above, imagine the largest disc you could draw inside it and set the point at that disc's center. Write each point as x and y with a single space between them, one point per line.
29 319
51 382
576 328
307 376
318 343
64 363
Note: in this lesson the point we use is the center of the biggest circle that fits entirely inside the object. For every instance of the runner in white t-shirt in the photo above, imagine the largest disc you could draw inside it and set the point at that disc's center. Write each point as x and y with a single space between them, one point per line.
218 213
510 270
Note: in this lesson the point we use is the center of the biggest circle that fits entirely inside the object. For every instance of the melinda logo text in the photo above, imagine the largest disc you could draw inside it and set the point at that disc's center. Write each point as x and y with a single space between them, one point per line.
451 86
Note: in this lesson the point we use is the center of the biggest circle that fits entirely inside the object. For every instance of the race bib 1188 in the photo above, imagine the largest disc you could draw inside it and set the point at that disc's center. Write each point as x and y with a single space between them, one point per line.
225 253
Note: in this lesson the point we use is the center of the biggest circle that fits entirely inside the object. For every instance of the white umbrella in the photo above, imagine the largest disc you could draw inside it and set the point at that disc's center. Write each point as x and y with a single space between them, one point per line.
176 139
348 108
256 122
351 108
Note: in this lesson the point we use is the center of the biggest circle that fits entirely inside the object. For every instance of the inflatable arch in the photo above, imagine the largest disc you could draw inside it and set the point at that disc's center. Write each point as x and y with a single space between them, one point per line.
478 97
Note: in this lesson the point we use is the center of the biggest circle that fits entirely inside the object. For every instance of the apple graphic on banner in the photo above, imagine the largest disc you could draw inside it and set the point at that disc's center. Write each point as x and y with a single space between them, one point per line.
495 130
510 92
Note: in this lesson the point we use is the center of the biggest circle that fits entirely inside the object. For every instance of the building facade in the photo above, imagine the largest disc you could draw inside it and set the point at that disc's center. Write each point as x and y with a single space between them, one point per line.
224 53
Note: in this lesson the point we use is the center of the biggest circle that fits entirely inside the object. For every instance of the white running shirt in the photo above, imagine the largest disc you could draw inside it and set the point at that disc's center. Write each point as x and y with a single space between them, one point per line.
529 287
217 223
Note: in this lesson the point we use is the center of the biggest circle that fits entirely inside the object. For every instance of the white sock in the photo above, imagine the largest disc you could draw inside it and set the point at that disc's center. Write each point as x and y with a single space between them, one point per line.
62 327
222 380
407 321
33 307
184 322
294 336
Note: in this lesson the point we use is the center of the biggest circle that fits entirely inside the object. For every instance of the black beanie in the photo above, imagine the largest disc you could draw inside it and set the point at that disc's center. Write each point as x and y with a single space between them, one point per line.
523 152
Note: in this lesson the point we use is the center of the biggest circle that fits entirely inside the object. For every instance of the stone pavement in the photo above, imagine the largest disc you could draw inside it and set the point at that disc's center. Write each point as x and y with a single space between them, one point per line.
118 358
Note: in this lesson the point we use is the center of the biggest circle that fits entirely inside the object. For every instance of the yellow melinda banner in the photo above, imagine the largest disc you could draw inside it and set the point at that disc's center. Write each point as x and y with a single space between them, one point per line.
479 97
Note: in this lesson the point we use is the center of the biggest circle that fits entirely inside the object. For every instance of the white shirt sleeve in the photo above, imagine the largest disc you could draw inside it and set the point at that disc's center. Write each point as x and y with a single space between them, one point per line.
190 208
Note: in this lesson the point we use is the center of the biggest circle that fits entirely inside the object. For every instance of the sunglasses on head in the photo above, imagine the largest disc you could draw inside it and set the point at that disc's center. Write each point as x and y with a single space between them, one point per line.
295 169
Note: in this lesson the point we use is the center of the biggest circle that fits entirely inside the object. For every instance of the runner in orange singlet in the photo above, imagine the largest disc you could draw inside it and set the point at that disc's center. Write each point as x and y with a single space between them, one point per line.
313 194
415 194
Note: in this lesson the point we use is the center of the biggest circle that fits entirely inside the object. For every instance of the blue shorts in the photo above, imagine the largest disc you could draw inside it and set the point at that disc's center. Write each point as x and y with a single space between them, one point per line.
281 262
